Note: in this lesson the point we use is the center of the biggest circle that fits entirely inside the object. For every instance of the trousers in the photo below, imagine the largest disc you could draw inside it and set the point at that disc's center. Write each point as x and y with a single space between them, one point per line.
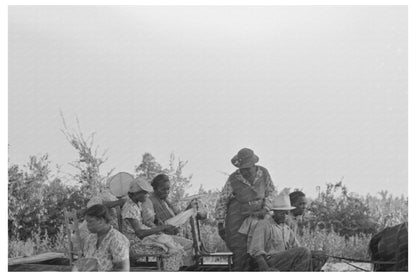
294 259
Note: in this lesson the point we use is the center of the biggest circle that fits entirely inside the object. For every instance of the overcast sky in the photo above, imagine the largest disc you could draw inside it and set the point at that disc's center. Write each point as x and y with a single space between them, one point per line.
319 93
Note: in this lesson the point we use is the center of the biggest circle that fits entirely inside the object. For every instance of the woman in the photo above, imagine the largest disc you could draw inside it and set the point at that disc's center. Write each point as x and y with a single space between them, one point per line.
245 198
105 248
144 239
106 198
157 209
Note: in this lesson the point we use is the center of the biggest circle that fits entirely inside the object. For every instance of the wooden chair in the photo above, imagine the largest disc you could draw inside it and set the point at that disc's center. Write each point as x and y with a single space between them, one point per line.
201 251
72 229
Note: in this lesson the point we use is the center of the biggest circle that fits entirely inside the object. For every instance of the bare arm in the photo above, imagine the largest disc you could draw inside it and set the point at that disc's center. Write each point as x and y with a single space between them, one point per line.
142 233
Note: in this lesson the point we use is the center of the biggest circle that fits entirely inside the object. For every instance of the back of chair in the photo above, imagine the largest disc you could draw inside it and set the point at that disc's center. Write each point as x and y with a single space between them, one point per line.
196 237
72 229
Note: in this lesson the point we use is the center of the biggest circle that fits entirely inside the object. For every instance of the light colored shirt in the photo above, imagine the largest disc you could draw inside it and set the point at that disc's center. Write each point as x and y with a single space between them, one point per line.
270 238
227 193
104 196
133 211
114 248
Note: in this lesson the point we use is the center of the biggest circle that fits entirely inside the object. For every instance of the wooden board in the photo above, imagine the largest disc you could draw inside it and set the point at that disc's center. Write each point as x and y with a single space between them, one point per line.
39 267
36 258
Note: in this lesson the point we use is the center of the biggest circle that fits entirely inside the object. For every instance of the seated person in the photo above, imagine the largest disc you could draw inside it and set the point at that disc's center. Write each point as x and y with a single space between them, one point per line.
105 248
295 217
157 209
106 198
274 246
143 239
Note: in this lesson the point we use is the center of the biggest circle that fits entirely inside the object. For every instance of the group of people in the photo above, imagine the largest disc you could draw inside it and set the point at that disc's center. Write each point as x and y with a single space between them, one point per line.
258 225
144 231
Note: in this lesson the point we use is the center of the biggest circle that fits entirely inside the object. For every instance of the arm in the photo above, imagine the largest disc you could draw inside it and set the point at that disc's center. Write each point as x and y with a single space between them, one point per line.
261 262
142 232
111 204
222 202
270 189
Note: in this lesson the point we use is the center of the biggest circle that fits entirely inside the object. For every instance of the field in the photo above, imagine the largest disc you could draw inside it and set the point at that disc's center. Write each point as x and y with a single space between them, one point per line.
337 221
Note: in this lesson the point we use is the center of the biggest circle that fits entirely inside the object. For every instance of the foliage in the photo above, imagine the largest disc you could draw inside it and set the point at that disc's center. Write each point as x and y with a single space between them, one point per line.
26 196
88 163
149 168
341 211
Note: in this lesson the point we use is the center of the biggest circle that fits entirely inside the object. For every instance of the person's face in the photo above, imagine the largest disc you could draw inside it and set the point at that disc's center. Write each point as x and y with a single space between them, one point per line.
248 172
280 216
300 205
139 196
95 224
162 190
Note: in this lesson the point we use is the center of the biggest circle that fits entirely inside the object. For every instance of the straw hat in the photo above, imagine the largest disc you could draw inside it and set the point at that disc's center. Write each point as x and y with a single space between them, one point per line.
282 202
139 184
245 158
119 184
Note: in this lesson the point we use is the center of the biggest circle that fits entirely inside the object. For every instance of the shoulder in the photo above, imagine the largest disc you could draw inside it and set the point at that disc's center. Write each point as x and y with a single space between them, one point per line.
264 224
130 209
117 236
263 169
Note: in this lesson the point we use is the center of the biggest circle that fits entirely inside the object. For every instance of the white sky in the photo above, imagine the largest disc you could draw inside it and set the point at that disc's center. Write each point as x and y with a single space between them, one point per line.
319 93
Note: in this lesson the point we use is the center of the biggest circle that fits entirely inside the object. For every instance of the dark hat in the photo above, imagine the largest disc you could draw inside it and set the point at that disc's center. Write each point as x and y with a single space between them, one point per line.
244 158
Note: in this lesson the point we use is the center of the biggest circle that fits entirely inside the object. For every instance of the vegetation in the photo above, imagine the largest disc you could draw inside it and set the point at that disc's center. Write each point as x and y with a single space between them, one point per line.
337 221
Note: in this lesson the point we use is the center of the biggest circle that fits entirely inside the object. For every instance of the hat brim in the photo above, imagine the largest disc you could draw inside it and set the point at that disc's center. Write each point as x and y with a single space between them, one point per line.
283 208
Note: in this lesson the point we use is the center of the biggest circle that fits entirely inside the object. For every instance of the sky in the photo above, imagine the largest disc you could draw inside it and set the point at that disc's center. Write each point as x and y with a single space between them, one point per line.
318 92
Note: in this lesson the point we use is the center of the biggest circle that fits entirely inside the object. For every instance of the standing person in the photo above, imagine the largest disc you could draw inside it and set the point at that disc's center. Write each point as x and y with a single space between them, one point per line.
274 245
298 200
105 248
245 198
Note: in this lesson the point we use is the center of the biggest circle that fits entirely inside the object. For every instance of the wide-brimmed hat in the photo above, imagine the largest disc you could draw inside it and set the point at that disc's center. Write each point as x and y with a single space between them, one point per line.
139 184
282 202
245 158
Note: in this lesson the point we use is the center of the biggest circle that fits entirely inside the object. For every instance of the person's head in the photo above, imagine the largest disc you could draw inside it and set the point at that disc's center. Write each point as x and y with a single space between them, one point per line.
280 215
97 218
245 160
281 207
298 200
161 186
139 188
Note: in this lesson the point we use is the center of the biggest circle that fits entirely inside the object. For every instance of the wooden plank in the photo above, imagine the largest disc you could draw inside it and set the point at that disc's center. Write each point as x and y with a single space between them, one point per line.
36 258
39 267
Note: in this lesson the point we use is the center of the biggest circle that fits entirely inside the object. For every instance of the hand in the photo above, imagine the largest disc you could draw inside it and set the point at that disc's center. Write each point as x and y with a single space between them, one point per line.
172 230
121 201
168 228
221 230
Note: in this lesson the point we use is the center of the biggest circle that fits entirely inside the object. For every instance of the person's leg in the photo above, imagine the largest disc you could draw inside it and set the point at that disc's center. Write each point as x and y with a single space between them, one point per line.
240 259
240 256
295 259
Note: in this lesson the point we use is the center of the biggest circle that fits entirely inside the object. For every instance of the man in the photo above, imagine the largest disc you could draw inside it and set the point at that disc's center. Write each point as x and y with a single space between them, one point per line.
298 200
274 246
245 198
